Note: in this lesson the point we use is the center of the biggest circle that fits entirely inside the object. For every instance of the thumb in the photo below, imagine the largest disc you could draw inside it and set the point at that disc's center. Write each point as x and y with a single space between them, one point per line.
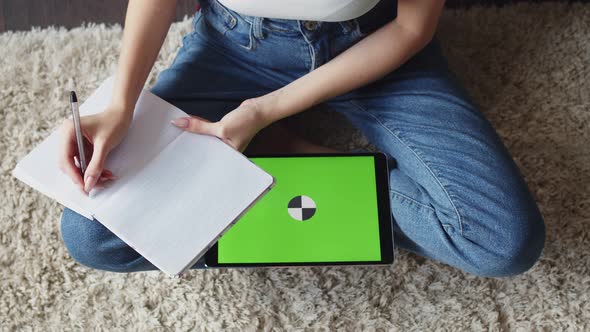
196 125
94 169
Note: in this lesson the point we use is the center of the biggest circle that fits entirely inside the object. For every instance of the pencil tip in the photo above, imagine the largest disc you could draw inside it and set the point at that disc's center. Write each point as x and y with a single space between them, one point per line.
73 98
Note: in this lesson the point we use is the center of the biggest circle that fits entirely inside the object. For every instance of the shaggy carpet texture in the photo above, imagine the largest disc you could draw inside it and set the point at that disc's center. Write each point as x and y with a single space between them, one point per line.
525 64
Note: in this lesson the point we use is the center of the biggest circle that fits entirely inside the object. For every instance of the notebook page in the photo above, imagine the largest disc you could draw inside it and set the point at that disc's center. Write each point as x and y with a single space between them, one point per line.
40 167
68 196
149 132
183 199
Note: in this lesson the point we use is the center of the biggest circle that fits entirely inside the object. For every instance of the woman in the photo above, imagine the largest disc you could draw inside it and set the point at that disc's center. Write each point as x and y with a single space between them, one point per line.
456 195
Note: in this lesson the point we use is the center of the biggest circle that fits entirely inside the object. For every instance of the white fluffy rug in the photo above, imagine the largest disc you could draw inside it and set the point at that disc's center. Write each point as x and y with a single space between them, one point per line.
528 67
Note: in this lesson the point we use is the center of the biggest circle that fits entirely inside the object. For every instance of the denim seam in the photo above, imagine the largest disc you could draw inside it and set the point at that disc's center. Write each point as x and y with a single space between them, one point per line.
210 44
448 227
229 20
257 28
310 47
274 28
197 17
400 195
244 17
435 176
250 38
357 29
346 26
429 94
218 47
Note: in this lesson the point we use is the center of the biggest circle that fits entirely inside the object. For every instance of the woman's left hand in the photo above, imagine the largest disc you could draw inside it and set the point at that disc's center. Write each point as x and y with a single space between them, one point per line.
236 128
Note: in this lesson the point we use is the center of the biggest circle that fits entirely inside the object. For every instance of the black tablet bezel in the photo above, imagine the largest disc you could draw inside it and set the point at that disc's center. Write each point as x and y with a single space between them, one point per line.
383 205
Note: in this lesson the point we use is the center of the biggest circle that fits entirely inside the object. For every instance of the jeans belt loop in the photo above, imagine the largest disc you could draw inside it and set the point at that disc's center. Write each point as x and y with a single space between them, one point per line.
257 27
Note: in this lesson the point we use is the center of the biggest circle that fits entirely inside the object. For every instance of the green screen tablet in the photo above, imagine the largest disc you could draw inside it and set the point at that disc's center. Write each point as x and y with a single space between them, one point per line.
324 209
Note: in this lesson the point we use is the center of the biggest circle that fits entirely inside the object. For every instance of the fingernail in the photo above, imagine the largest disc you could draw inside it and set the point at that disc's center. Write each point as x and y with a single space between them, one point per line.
180 122
89 183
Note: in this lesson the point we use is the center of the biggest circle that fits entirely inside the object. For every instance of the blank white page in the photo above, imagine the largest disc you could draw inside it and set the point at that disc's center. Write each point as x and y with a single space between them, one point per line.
181 202
39 169
148 134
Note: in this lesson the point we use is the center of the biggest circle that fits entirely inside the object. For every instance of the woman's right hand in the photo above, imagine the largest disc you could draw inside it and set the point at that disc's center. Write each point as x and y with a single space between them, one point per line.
102 132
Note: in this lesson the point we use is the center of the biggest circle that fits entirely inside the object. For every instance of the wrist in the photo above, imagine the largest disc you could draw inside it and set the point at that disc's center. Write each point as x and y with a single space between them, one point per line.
123 101
121 111
264 107
268 107
288 100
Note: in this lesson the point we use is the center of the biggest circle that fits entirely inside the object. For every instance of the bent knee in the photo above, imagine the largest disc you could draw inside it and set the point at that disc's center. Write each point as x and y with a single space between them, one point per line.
93 245
511 252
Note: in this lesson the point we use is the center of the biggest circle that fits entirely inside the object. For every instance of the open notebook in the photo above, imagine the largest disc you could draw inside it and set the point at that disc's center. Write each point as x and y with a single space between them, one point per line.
177 191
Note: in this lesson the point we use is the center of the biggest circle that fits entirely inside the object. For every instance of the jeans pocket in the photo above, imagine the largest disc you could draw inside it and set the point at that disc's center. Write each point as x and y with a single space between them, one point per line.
226 26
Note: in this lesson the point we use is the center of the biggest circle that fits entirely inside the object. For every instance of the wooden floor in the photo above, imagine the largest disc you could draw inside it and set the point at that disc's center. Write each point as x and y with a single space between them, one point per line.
24 14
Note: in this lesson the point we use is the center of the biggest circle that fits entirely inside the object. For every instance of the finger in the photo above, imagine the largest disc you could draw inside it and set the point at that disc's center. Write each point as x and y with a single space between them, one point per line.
95 166
196 125
106 173
88 148
98 185
68 152
73 173
107 178
200 118
102 182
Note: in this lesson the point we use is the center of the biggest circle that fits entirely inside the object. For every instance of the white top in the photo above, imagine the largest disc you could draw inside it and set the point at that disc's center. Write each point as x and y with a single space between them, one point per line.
312 10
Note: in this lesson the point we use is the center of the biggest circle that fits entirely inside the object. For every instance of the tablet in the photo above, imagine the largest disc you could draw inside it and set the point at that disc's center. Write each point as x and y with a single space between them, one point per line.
325 209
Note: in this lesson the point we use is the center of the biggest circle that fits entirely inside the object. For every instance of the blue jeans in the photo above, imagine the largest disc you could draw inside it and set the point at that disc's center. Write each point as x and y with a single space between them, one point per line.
456 194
